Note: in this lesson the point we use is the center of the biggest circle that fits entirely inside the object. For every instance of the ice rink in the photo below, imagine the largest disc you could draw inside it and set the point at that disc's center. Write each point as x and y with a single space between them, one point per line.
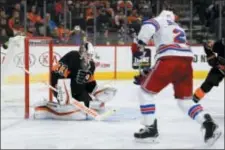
176 130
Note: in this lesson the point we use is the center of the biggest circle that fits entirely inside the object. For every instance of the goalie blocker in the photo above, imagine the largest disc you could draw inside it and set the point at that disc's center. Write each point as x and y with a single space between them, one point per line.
66 110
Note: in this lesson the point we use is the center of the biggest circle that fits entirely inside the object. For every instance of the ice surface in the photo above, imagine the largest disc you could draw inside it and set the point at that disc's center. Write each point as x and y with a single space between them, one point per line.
176 130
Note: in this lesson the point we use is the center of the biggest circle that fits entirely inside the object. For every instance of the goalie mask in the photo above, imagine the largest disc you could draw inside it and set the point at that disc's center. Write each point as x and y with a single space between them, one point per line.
87 52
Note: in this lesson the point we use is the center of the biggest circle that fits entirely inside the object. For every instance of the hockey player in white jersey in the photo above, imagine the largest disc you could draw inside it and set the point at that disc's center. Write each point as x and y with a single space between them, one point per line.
173 65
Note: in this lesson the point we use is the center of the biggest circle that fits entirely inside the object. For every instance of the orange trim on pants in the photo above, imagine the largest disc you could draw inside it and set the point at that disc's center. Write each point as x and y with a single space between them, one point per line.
199 93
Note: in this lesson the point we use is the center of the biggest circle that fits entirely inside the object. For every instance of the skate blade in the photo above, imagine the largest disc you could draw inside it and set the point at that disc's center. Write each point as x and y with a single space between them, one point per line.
211 141
147 140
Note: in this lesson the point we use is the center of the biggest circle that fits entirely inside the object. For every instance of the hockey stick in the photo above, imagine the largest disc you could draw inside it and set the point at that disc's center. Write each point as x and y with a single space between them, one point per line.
82 107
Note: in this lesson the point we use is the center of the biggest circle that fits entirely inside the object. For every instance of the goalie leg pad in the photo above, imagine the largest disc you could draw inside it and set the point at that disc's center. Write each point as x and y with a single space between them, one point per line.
63 95
105 94
58 112
97 105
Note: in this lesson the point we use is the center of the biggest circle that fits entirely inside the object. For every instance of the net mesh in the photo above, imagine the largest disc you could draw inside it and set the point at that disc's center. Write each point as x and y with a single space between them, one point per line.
13 90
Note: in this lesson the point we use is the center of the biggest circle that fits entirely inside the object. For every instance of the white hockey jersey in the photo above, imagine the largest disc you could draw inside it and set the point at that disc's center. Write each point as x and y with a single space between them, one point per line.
168 36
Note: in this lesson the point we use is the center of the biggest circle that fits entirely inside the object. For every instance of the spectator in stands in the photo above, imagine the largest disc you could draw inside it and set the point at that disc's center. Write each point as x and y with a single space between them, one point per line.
212 12
34 21
59 7
51 26
34 16
146 13
15 24
200 7
109 10
141 3
90 12
120 19
77 36
3 23
19 8
62 33
3 32
134 21
59 10
103 20
214 19
134 17
121 5
3 14
78 13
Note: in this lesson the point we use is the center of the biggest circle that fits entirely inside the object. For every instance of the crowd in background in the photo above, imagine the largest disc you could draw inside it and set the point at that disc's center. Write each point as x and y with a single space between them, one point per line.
116 20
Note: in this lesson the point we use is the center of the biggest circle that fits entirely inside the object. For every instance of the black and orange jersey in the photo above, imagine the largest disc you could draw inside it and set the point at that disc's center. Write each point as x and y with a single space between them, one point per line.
219 48
68 67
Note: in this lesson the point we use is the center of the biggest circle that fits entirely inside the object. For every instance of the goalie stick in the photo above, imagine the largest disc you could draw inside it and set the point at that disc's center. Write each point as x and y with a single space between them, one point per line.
89 111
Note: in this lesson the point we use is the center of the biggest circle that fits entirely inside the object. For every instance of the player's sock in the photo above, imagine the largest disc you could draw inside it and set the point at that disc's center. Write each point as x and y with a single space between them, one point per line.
147 107
195 111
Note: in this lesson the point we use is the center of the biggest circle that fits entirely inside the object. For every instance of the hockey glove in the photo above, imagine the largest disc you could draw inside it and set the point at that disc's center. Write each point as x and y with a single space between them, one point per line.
212 60
134 48
5 45
221 66
139 78
208 48
221 69
137 45
83 76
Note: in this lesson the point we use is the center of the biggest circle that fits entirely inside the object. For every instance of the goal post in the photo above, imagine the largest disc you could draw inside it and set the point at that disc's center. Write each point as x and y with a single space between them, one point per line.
25 69
29 42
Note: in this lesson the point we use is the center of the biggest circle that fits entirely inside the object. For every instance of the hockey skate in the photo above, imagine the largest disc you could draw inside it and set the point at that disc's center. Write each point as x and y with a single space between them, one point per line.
212 132
148 134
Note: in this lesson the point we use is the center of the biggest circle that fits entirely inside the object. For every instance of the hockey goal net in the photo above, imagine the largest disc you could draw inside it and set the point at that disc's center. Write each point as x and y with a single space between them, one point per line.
25 72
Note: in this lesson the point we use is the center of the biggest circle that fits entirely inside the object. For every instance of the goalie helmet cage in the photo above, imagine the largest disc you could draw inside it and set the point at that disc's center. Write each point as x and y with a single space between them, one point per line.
29 42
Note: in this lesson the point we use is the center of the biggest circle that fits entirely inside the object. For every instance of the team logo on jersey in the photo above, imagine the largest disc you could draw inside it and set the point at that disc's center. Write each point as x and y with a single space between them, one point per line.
142 60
